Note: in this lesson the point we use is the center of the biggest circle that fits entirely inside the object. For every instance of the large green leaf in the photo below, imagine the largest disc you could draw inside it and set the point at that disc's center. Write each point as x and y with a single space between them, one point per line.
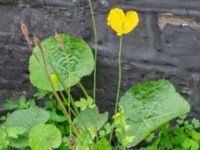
26 119
44 137
77 56
91 118
149 105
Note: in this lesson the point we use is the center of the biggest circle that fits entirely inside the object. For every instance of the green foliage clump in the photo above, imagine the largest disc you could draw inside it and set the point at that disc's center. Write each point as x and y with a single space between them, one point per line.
60 62
184 135
26 116
25 119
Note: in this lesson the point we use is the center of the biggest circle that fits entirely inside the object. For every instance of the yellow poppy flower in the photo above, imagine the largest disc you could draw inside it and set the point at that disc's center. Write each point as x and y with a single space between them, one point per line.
122 23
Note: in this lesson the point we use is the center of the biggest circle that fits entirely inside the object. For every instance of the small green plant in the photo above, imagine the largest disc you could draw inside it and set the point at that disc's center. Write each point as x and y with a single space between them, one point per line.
184 135
25 115
8 135
22 104
60 62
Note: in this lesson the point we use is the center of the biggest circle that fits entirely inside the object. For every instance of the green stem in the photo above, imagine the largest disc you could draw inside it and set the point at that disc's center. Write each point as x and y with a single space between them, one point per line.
95 53
57 97
119 73
71 100
119 78
66 89
83 89
67 104
76 113
95 56
60 103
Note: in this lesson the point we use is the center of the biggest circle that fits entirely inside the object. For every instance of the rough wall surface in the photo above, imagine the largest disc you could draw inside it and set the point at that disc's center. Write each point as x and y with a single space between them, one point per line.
164 46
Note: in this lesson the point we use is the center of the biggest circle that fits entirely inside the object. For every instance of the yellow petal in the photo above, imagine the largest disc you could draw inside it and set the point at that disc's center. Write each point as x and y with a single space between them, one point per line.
115 20
130 22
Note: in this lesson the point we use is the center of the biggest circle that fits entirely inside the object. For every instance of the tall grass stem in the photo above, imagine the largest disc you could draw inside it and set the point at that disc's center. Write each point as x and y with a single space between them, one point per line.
95 49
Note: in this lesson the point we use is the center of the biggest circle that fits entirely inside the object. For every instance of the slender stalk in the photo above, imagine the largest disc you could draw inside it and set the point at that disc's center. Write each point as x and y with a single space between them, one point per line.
95 53
68 88
119 73
56 95
67 103
71 100
83 89
60 80
60 103
69 82
95 56
119 77
75 114
58 99
60 42
25 31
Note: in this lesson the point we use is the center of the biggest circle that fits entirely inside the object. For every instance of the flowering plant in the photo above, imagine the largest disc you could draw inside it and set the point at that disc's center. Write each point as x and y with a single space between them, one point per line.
56 65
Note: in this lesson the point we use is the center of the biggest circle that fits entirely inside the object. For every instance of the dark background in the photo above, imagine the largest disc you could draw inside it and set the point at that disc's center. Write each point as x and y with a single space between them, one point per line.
164 46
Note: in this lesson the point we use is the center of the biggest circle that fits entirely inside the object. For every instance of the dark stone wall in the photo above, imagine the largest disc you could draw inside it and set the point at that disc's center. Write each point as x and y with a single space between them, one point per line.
164 46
